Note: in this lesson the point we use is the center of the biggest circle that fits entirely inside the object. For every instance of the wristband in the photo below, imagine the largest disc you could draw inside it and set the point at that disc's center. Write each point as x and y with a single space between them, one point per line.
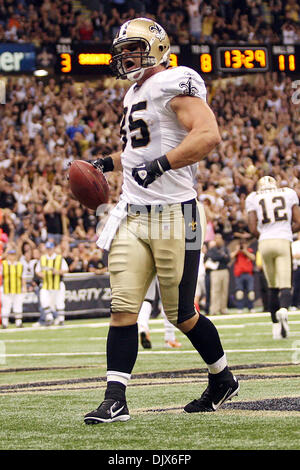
104 164
163 164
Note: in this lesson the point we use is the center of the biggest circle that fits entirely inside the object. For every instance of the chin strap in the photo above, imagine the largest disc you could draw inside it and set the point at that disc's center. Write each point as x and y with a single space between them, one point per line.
133 77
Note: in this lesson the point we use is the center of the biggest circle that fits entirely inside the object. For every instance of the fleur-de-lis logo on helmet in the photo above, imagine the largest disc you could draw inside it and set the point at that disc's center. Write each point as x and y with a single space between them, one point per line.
158 31
188 88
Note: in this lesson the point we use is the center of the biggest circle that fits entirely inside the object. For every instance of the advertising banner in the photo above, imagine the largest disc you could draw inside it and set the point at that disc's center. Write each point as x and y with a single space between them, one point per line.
17 58
85 294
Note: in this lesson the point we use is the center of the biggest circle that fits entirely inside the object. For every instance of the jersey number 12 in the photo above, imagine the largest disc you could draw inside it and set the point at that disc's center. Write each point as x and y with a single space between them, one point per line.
280 206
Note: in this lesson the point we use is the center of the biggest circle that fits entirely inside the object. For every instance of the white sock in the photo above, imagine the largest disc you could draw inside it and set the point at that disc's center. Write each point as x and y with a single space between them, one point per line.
60 316
4 321
169 328
218 366
144 316
115 376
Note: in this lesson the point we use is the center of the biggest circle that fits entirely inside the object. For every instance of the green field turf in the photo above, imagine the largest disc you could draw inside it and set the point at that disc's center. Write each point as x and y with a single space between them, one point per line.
51 377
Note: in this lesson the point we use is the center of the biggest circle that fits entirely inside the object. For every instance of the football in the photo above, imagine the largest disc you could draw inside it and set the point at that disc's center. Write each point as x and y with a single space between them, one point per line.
88 184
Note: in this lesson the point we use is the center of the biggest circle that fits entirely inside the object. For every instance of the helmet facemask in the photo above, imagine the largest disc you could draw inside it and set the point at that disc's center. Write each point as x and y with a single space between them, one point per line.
141 39
119 58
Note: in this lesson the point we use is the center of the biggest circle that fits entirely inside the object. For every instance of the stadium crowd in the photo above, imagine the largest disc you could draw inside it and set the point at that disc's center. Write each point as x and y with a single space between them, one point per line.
47 123
45 22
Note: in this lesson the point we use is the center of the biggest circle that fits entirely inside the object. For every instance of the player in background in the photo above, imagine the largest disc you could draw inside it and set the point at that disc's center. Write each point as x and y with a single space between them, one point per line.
296 272
51 268
200 292
13 288
273 215
158 226
144 317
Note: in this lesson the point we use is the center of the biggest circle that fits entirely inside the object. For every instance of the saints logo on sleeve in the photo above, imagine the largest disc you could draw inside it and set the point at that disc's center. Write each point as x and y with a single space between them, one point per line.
188 88
181 81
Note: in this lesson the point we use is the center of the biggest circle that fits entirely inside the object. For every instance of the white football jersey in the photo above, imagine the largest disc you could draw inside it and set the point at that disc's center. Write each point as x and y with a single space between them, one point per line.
273 208
149 129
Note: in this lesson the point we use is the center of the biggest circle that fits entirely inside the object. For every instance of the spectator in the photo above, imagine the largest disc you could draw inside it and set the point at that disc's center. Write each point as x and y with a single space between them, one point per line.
113 23
243 270
99 20
195 27
75 128
77 262
79 232
86 30
289 33
217 261
208 23
7 198
96 264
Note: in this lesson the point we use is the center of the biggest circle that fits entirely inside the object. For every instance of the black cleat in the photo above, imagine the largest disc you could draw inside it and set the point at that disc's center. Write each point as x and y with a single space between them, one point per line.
109 411
145 340
214 396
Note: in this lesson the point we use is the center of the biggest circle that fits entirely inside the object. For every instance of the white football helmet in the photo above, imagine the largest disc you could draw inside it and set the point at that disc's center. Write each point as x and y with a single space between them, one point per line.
266 182
154 44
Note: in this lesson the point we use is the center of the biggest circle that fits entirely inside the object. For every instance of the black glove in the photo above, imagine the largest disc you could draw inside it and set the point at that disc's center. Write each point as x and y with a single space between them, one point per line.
148 172
104 164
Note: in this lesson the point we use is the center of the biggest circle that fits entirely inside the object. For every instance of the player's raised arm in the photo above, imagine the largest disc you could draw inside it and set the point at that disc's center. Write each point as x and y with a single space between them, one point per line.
194 115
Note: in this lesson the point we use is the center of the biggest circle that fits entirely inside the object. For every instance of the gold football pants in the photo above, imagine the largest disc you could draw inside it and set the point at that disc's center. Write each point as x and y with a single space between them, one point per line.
165 240
276 262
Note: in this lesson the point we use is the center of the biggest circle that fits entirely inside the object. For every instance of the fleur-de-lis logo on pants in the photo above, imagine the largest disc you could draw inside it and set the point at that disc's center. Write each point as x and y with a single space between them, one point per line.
193 225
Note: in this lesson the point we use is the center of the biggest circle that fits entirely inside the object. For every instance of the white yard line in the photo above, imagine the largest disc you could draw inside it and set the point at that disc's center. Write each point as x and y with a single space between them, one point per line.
151 322
95 353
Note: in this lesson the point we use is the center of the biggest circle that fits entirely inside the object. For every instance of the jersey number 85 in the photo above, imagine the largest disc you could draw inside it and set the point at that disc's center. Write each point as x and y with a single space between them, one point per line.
140 139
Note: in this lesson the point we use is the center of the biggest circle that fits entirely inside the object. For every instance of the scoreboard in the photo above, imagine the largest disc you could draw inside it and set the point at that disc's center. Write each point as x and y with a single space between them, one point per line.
206 59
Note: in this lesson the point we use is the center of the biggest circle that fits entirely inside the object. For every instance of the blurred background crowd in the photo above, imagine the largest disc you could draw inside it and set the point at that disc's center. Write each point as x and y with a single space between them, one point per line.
213 21
47 123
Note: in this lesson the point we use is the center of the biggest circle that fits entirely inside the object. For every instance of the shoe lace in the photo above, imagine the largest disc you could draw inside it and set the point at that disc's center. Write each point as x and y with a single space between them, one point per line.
206 397
106 404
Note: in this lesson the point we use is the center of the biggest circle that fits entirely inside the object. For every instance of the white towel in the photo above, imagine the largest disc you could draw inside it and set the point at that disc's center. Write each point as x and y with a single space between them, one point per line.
116 216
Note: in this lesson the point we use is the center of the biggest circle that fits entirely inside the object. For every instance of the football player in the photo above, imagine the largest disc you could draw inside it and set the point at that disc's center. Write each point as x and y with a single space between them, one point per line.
273 215
158 226
50 268
13 288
